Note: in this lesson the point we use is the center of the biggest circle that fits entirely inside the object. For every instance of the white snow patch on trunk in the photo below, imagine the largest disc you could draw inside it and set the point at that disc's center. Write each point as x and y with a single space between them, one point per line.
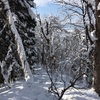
98 7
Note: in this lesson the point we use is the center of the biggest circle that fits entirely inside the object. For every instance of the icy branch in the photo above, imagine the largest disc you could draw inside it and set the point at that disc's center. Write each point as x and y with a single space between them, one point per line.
3 29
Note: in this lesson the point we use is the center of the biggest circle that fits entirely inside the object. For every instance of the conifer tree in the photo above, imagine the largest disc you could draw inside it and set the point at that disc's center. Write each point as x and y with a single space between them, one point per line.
17 23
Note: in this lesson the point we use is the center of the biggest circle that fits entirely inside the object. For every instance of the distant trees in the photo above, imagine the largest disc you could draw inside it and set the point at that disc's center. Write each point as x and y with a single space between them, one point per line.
80 15
17 23
54 41
88 11
59 52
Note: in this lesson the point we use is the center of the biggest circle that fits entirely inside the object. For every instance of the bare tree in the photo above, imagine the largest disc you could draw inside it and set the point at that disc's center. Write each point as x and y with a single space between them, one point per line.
83 11
59 54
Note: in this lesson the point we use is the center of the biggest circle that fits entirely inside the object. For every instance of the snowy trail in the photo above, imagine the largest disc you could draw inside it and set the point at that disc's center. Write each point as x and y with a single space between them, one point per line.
25 91
71 94
38 90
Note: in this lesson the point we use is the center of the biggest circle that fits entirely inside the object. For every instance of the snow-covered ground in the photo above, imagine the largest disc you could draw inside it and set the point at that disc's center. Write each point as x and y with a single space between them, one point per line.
80 94
25 91
38 90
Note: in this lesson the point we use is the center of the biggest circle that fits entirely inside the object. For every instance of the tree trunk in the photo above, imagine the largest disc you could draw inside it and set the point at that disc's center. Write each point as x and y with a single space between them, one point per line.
1 77
97 52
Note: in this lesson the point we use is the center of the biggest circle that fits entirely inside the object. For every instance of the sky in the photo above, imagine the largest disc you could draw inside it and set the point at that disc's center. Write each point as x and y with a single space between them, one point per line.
46 7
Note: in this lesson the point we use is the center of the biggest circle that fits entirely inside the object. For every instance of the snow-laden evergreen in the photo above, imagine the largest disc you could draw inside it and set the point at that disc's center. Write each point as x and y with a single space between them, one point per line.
20 48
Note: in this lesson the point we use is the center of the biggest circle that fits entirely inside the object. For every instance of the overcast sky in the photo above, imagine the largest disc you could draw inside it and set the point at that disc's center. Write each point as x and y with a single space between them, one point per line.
46 7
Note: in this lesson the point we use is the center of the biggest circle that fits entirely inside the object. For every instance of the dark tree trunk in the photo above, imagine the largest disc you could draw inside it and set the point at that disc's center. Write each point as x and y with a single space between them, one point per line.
1 77
97 52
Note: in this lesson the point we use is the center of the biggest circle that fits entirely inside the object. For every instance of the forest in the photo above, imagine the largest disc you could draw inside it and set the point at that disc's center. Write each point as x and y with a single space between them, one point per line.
50 57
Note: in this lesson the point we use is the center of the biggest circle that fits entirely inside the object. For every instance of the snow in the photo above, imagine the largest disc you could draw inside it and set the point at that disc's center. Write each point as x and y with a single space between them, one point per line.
92 36
80 94
98 7
25 91
38 90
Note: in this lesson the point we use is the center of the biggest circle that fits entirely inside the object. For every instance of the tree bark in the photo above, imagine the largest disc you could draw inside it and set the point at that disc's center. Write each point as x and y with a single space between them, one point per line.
97 51
1 77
